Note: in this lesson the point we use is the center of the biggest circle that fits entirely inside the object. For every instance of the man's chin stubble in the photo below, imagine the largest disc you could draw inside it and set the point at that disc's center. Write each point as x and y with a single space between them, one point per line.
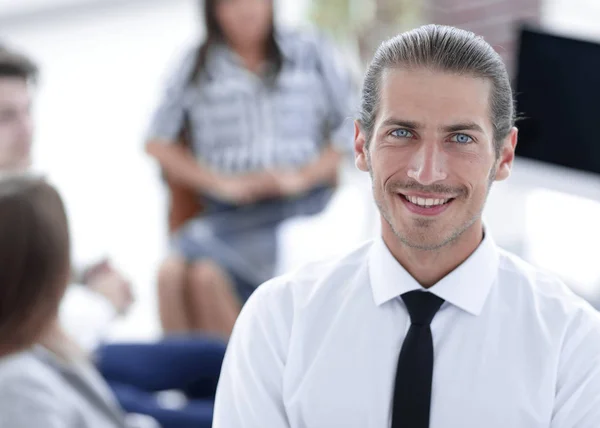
448 242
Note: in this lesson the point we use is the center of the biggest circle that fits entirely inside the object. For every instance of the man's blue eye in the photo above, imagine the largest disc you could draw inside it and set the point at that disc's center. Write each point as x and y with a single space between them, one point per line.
402 133
462 139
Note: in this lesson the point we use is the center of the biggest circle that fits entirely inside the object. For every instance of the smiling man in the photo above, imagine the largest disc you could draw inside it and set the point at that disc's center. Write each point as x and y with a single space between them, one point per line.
431 324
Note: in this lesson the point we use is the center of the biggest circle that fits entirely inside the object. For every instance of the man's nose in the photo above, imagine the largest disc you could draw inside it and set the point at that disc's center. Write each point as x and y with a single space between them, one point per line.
428 164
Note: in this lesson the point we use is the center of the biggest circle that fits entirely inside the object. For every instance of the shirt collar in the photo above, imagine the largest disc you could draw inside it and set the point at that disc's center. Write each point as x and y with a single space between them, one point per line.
466 287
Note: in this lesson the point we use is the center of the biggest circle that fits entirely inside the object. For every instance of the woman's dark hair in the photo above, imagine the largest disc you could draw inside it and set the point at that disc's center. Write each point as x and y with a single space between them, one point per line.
34 260
214 34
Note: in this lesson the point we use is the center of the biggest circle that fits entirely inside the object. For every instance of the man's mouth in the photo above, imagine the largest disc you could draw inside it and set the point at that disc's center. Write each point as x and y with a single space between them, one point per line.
424 205
426 202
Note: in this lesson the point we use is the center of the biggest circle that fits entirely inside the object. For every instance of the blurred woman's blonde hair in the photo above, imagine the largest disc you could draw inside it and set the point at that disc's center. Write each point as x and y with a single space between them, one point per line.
34 260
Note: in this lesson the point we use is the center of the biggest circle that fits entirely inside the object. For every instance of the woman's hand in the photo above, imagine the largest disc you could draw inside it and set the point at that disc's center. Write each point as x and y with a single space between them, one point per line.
255 187
105 280
246 189
291 183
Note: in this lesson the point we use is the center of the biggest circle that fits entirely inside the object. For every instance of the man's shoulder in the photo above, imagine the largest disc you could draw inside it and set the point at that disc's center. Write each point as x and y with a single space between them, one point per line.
276 304
348 261
548 293
317 274
541 282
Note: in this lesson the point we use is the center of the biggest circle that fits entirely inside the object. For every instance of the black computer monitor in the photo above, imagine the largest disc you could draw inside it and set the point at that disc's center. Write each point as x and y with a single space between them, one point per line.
558 96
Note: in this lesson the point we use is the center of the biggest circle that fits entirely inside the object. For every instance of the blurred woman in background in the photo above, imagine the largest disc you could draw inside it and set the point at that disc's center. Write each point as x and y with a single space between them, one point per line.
46 379
43 380
263 111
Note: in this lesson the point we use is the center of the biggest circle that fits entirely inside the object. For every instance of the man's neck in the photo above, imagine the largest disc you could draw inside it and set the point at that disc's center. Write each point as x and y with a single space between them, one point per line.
428 267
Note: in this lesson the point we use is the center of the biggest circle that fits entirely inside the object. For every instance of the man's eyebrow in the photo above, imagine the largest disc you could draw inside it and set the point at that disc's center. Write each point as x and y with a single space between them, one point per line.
402 123
465 126
410 124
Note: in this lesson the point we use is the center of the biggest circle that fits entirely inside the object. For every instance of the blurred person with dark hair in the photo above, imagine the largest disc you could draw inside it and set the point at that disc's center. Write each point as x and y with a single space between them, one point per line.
430 325
135 372
264 111
44 380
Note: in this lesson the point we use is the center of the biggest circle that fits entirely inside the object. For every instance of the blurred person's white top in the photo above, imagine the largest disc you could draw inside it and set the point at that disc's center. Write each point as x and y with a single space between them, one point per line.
86 316
514 347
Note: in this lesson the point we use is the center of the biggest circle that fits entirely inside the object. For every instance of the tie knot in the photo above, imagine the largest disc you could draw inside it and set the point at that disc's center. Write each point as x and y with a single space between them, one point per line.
422 306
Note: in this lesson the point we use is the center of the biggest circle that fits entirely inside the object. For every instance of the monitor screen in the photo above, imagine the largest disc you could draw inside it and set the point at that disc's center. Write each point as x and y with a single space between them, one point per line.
558 97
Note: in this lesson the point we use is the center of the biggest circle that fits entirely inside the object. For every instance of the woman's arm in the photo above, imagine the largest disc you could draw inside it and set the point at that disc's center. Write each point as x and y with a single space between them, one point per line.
180 165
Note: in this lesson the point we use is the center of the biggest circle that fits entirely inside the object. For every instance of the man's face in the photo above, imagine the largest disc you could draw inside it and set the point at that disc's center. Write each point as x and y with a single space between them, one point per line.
16 127
431 158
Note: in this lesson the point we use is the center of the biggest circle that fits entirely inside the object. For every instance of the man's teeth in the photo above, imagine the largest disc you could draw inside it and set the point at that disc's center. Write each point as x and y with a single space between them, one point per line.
422 202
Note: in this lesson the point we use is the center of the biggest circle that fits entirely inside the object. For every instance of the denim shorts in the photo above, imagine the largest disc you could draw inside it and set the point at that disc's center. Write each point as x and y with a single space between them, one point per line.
243 239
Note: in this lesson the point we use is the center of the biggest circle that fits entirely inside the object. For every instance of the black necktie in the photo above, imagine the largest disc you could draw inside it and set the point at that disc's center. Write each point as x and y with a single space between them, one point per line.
412 392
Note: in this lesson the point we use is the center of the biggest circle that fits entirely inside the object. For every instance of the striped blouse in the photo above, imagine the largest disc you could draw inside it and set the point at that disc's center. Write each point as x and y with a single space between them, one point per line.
240 123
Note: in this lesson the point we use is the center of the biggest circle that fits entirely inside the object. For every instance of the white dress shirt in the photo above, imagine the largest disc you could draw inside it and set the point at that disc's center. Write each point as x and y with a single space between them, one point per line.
318 348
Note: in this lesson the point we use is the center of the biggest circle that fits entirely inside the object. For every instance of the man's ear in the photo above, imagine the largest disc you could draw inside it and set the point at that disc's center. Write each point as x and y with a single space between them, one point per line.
360 148
507 155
